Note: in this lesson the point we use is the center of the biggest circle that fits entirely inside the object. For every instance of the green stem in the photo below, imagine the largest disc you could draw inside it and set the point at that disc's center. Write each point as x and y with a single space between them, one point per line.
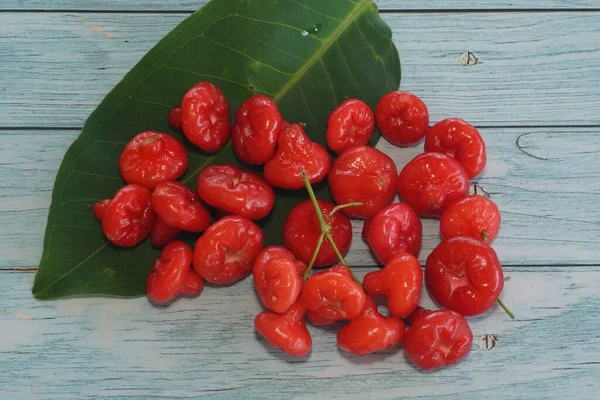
325 228
510 313
314 256
338 208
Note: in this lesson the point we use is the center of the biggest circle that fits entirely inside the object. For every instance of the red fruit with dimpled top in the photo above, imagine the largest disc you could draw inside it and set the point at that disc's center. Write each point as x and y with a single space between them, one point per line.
225 253
205 118
256 130
402 118
351 124
473 216
430 182
179 207
438 339
456 138
129 217
363 174
151 158
464 275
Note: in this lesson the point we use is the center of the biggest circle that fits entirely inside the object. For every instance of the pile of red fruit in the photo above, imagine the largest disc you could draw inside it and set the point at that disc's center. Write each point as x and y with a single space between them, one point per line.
462 274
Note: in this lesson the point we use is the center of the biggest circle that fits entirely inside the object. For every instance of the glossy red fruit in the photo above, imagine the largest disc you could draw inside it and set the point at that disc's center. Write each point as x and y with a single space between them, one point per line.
402 118
430 182
151 158
333 295
174 118
438 339
179 207
363 174
370 331
395 229
464 275
473 216
225 253
129 217
172 275
256 130
236 191
162 233
296 152
349 125
418 312
277 283
459 139
287 331
400 282
205 118
271 252
100 207
301 231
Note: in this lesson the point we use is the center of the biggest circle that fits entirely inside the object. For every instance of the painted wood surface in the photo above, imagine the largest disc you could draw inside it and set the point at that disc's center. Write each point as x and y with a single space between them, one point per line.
207 348
534 93
533 68
395 5
545 181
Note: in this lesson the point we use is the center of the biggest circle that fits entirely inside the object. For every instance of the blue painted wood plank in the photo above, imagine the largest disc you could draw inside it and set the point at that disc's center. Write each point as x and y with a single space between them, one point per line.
534 68
187 5
545 181
207 348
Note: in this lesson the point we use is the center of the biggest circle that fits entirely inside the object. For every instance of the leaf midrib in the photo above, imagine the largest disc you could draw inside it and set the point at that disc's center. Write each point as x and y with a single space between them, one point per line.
316 57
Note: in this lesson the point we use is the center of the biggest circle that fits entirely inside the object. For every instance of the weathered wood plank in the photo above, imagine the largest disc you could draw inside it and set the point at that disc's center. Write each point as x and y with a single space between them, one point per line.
534 68
207 348
190 5
545 181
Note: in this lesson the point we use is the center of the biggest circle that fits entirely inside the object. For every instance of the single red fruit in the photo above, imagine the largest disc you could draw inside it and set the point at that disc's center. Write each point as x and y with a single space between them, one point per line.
271 252
100 207
459 139
162 233
174 118
277 283
236 191
400 282
464 275
296 152
473 216
301 231
333 295
205 118
430 182
395 229
287 331
402 118
418 312
438 339
179 207
363 174
370 331
256 130
129 217
225 253
350 124
151 158
172 275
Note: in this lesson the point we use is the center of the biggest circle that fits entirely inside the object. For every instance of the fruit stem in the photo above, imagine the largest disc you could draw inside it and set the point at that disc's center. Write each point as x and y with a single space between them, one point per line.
325 228
506 309
484 235
314 256
338 208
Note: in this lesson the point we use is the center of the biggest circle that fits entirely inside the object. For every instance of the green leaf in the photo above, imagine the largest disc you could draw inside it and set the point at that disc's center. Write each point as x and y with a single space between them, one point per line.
308 55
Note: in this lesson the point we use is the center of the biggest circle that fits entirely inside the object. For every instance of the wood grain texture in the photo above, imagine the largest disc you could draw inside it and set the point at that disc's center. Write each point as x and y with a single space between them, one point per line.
190 5
545 181
207 348
533 69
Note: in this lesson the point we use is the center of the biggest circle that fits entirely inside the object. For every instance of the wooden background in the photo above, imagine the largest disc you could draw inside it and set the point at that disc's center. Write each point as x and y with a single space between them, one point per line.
534 92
